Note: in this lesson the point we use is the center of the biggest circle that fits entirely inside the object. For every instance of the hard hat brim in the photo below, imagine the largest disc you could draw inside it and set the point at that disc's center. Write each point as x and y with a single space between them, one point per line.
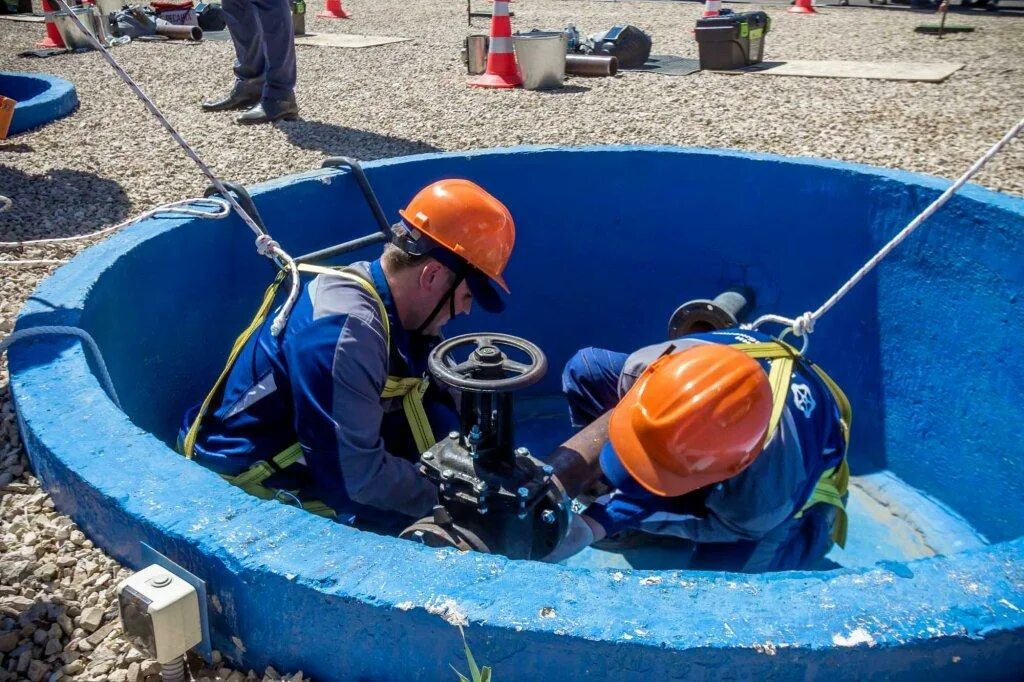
635 460
484 292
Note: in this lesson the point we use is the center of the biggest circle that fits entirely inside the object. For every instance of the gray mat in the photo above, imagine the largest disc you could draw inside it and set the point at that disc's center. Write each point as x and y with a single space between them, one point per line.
930 72
668 65
323 39
345 40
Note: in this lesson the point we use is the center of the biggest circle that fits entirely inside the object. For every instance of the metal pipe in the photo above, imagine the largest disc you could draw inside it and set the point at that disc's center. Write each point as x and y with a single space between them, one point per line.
166 28
726 310
735 301
575 462
344 247
591 65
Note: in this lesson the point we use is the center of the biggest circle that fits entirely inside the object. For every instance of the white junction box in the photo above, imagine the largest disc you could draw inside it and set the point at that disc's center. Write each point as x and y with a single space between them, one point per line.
159 613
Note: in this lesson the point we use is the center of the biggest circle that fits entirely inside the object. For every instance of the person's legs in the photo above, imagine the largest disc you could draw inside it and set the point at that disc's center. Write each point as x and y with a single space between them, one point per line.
278 45
590 382
247 37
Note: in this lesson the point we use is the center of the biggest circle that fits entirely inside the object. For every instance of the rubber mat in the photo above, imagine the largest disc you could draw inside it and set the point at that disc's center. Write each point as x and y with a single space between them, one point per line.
668 65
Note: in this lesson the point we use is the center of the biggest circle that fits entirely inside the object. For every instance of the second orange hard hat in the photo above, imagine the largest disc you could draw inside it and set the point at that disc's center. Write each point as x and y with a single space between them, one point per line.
692 419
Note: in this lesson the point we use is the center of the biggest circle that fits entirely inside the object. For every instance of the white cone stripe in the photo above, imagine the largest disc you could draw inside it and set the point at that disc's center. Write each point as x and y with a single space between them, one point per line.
500 9
713 5
501 45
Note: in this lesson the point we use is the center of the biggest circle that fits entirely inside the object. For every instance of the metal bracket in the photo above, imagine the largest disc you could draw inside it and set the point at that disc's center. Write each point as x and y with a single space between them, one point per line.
243 198
151 556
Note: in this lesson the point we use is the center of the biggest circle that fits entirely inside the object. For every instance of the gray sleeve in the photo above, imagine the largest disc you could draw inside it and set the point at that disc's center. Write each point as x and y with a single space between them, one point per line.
373 476
639 361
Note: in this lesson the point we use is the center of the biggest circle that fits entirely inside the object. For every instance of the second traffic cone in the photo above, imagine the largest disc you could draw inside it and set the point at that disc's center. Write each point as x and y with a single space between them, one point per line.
501 60
52 38
712 8
802 7
333 10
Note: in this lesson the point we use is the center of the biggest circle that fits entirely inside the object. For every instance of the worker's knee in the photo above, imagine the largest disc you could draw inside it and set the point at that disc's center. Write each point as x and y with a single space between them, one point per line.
590 382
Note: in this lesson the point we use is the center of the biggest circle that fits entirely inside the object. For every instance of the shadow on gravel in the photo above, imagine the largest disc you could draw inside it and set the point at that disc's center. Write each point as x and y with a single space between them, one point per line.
59 203
19 148
335 140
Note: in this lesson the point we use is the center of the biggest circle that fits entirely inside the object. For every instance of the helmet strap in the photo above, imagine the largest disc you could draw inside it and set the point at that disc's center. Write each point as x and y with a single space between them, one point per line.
449 298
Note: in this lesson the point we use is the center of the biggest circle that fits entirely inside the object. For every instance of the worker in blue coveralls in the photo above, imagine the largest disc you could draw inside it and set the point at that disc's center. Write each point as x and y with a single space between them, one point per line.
728 440
334 412
265 73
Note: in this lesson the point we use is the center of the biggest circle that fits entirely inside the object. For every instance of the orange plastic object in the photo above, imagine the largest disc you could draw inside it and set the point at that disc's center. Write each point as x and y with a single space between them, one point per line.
52 37
802 7
693 418
502 71
333 10
6 114
461 216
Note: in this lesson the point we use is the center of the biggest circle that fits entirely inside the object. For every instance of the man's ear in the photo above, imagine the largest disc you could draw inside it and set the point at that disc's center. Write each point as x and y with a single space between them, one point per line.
431 275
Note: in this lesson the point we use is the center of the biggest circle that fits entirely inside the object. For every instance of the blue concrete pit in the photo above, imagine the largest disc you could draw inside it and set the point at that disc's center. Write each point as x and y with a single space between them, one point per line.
40 99
609 242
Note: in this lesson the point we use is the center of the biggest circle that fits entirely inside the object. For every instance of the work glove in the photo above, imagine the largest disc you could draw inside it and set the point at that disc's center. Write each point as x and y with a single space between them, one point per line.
583 532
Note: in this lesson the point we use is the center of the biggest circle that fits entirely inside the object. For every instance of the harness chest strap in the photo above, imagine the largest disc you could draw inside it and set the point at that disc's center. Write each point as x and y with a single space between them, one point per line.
410 389
833 484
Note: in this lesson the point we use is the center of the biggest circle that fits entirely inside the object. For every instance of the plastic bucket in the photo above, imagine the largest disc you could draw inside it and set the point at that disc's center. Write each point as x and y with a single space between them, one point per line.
541 58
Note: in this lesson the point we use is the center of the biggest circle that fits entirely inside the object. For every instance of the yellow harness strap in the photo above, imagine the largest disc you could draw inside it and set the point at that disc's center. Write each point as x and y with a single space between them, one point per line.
834 483
410 389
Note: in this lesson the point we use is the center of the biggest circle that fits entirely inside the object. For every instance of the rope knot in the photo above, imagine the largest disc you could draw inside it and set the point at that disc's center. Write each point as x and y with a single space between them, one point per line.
265 245
804 324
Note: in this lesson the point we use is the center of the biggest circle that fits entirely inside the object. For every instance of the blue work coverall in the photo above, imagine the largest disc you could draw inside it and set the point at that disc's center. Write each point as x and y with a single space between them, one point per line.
320 384
745 523
264 41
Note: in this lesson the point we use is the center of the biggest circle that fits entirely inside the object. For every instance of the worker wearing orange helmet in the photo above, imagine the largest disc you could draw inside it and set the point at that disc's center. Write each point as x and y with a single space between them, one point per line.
334 412
728 440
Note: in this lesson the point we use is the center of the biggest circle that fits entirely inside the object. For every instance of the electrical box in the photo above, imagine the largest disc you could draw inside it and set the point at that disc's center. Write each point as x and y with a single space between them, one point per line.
159 613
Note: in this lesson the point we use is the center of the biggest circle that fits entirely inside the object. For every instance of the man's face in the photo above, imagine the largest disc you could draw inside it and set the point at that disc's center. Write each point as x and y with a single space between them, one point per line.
436 282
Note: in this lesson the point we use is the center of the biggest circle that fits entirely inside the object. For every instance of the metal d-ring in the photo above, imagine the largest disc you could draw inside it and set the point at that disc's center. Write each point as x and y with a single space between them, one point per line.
806 337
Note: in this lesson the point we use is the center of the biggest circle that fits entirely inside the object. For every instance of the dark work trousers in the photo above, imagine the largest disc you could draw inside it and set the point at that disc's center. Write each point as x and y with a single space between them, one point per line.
264 44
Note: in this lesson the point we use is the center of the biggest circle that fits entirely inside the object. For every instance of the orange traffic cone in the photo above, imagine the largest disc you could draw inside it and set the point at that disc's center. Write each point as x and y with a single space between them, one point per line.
802 7
712 8
52 38
501 60
333 10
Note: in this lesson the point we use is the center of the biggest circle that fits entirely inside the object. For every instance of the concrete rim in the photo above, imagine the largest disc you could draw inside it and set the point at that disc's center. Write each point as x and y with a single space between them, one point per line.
922 609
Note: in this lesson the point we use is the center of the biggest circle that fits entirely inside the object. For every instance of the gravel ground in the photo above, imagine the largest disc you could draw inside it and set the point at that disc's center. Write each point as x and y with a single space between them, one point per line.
110 161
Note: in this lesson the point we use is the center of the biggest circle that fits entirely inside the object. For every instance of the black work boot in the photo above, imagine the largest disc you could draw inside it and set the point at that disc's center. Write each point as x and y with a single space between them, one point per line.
271 110
244 95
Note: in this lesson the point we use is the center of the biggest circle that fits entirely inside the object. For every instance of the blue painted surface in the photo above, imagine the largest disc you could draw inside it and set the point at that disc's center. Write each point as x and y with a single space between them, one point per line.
924 348
40 98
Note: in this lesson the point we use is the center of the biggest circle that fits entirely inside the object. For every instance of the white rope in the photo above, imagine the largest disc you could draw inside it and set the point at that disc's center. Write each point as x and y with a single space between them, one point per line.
223 210
803 325
278 253
87 341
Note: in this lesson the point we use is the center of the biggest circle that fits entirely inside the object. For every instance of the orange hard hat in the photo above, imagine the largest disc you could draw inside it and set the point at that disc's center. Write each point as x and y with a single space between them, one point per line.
693 418
464 218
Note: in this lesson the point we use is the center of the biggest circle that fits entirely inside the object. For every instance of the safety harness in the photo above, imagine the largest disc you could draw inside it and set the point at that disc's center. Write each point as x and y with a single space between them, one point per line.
833 484
410 389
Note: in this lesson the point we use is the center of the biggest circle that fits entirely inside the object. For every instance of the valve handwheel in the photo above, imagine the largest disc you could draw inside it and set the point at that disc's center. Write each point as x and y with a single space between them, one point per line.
488 368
